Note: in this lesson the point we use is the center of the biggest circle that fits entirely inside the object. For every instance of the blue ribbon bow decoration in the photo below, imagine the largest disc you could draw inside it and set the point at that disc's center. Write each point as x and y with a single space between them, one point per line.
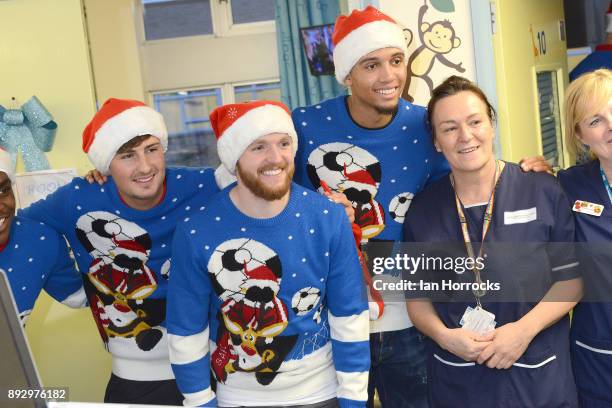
29 129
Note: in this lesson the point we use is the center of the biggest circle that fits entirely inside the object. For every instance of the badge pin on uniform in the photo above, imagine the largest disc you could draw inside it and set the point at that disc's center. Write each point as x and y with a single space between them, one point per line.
586 207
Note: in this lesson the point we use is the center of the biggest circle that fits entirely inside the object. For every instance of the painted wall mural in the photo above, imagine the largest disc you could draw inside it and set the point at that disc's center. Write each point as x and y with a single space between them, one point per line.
439 37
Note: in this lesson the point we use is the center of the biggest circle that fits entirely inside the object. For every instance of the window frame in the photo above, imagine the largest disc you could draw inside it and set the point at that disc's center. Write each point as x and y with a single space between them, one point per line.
221 19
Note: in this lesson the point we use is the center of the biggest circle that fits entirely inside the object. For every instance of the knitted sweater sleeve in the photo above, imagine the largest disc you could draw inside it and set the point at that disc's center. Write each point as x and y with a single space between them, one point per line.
348 318
64 282
187 322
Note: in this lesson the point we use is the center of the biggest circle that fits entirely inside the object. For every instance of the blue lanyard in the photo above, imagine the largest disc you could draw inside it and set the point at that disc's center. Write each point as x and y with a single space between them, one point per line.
606 184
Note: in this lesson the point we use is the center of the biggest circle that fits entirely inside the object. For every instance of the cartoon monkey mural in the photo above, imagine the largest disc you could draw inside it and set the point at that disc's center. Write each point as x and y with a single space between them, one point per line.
437 39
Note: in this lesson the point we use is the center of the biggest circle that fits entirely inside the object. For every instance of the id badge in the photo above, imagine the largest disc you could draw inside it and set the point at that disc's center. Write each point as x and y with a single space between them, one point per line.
478 320
586 207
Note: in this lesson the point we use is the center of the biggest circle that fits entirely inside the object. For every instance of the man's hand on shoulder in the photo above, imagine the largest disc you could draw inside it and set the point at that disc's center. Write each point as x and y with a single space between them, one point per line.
536 163
95 176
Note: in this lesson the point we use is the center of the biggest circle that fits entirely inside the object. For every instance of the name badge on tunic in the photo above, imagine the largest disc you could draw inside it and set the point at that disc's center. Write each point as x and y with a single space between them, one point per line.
585 207
478 320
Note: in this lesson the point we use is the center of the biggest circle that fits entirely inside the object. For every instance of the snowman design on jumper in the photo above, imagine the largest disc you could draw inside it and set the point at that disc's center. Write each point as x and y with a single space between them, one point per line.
246 275
355 172
119 280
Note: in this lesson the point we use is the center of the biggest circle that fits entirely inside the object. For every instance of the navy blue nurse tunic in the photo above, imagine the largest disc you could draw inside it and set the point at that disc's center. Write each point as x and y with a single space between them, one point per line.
591 332
542 376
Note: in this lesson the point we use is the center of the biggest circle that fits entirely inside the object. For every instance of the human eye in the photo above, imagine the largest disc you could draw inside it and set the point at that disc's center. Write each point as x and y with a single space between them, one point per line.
371 66
594 121
449 129
126 156
397 60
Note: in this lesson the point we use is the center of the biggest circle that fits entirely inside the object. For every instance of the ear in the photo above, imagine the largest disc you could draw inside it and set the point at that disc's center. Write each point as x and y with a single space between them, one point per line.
438 149
348 81
424 27
457 42
578 135
233 328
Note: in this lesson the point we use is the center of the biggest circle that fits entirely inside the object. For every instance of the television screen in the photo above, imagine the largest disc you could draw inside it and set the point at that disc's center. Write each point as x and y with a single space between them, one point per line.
318 46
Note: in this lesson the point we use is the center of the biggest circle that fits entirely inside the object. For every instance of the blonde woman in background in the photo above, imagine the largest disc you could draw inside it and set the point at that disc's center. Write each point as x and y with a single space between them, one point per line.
588 120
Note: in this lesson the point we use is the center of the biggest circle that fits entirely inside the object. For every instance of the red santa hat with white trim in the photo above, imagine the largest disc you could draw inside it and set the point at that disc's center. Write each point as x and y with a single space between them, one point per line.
238 125
6 165
360 33
117 122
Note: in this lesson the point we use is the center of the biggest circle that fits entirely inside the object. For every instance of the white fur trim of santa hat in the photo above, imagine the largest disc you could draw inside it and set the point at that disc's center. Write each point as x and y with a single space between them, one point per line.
116 123
253 124
6 165
362 41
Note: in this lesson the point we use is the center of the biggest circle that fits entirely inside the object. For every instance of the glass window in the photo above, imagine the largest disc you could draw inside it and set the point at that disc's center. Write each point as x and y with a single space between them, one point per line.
191 141
268 91
550 121
176 18
250 11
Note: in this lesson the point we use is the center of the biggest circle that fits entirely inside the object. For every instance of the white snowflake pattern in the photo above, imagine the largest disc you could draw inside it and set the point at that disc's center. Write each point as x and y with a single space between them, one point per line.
232 112
313 342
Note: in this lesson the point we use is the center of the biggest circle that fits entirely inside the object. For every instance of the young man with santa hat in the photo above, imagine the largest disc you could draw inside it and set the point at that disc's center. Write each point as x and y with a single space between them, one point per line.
33 256
268 275
375 147
121 234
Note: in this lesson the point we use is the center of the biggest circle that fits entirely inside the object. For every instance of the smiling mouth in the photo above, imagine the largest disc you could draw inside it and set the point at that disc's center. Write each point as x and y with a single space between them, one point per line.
2 221
272 172
469 150
144 180
386 91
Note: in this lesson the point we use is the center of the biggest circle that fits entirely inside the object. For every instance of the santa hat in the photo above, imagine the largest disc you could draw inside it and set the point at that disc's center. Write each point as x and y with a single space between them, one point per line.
360 176
609 19
261 277
116 123
6 165
240 124
360 33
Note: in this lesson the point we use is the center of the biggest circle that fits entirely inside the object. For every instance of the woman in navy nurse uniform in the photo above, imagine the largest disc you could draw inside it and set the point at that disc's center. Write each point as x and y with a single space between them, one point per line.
524 361
588 120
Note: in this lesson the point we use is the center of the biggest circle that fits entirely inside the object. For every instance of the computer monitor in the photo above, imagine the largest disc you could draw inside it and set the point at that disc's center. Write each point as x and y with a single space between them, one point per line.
17 369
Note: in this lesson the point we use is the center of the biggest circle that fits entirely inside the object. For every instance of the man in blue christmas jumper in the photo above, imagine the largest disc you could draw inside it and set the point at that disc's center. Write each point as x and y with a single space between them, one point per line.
266 286
33 256
121 234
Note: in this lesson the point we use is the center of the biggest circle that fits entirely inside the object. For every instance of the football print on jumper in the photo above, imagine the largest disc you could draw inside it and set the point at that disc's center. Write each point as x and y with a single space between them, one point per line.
246 275
355 172
119 280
